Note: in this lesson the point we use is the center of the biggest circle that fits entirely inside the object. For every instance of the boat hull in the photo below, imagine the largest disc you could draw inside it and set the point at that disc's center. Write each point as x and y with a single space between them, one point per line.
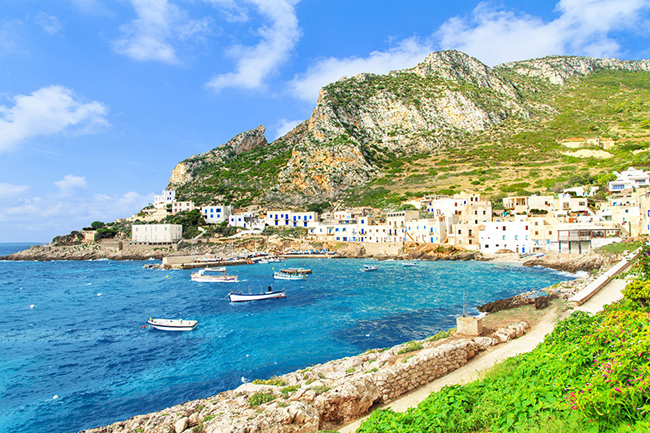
172 324
281 276
243 297
214 278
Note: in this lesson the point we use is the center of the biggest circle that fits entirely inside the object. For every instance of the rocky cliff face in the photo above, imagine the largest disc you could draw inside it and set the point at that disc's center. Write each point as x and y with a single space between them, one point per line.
358 121
558 69
244 142
362 124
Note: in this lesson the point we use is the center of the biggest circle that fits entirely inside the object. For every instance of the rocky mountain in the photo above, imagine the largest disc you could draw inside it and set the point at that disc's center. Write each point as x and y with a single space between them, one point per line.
363 128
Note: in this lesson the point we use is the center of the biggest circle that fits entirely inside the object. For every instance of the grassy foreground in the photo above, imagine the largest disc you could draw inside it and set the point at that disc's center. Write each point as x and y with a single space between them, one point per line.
591 374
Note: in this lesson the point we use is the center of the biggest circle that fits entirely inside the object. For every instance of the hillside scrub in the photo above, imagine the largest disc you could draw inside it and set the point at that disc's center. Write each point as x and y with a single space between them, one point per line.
591 374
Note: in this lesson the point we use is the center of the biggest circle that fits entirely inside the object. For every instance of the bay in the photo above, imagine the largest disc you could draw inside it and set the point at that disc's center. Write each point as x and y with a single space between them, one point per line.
75 352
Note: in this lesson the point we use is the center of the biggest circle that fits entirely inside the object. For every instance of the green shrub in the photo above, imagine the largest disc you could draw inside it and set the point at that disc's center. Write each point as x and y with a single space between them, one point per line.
319 389
260 397
289 390
274 381
411 346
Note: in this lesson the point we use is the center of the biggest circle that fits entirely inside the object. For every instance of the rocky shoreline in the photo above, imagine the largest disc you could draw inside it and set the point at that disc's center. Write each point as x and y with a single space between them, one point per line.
324 396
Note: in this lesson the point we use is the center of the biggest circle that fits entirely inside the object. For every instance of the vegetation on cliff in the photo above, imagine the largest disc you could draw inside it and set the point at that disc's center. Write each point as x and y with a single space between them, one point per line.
449 124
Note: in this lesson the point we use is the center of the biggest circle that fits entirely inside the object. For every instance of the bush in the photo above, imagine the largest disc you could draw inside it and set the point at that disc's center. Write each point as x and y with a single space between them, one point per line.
275 381
411 346
260 398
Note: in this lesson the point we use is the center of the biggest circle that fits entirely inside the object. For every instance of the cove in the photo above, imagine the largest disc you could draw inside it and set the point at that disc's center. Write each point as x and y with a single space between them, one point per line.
84 342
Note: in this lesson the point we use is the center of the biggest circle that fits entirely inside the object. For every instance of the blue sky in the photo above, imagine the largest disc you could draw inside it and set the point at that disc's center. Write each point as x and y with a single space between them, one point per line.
99 99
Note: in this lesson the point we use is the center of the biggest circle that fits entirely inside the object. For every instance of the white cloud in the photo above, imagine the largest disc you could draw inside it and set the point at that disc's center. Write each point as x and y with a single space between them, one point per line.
49 23
70 182
160 24
408 53
147 37
582 28
9 190
277 40
43 217
47 111
285 126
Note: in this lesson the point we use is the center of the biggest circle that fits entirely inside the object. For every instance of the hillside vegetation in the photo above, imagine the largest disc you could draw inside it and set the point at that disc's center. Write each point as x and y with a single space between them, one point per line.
591 374
449 124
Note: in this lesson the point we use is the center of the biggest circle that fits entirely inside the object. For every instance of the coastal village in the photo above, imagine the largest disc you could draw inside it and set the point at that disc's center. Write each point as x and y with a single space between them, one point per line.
570 222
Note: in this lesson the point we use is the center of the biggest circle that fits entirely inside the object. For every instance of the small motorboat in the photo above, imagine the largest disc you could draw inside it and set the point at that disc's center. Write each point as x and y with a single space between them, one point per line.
296 271
219 276
288 276
172 324
409 264
243 297
368 268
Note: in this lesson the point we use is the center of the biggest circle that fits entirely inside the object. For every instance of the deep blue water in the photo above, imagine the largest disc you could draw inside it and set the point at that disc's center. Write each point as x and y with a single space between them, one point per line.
84 342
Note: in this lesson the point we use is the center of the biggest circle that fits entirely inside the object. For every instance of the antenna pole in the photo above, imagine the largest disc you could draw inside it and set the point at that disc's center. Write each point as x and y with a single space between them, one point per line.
463 301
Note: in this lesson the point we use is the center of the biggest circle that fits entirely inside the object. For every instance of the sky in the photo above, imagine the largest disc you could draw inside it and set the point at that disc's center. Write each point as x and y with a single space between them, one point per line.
100 99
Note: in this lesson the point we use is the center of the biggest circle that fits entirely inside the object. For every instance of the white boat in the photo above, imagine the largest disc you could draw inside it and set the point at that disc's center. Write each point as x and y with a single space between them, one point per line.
410 264
243 297
287 276
172 324
219 276
368 268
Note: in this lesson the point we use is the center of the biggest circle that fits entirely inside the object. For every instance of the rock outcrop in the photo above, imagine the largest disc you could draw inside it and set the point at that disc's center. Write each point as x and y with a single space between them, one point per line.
587 262
559 69
242 143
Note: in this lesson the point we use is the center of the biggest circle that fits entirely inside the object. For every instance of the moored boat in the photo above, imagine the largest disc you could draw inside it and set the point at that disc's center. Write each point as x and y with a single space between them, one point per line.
244 297
296 271
368 268
409 264
172 324
288 276
219 276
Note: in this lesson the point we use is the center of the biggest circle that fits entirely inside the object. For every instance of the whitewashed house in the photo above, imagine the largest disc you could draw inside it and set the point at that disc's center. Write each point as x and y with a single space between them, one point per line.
629 179
182 206
156 233
161 201
216 214
507 235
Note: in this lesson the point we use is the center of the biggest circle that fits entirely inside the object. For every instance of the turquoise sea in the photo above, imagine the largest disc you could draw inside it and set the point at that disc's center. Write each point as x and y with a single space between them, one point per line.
74 352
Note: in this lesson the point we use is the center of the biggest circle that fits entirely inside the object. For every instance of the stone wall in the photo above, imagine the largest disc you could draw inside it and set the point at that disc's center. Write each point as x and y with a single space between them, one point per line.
321 397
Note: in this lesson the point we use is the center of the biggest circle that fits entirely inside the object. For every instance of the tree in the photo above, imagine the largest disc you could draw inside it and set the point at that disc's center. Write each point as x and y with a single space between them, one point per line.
97 225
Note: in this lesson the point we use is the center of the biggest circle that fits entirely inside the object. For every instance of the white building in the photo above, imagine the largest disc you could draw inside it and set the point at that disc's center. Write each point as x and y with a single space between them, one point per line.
161 201
182 206
507 235
287 218
301 219
579 238
431 230
156 233
630 178
216 214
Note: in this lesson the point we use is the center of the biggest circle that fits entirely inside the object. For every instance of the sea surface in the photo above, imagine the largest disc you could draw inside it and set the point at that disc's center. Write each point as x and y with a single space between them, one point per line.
75 352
